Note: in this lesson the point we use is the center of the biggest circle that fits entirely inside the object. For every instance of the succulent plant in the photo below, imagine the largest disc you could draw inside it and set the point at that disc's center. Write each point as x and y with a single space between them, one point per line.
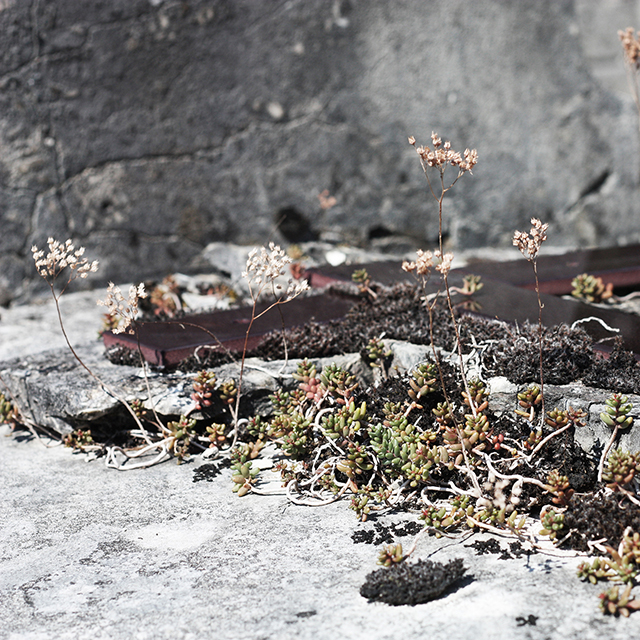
620 468
478 394
309 381
591 288
8 413
78 439
345 422
245 474
559 486
470 284
182 433
423 380
552 523
613 602
391 554
528 400
204 386
338 382
616 412
377 353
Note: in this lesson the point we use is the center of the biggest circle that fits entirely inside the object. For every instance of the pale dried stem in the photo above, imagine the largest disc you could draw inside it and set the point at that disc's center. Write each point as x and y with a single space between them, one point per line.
605 452
110 390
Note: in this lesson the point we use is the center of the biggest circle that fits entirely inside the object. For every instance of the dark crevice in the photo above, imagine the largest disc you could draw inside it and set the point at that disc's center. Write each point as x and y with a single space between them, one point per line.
293 225
596 184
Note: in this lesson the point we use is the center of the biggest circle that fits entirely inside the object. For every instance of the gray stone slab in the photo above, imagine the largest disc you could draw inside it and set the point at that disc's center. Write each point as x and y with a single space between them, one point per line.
89 552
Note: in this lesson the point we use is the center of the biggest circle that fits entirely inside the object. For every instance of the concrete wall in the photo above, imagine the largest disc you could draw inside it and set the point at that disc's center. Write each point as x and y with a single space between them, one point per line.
147 128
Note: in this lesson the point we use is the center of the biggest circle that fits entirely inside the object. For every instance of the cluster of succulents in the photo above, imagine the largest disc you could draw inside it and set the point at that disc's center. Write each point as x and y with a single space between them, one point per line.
78 439
182 431
591 288
621 566
8 413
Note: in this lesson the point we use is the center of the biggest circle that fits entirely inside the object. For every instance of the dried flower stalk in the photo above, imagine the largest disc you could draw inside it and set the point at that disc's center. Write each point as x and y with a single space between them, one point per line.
126 310
529 245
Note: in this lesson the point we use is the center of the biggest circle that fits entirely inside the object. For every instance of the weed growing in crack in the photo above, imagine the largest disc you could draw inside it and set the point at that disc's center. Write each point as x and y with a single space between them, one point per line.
529 245
264 269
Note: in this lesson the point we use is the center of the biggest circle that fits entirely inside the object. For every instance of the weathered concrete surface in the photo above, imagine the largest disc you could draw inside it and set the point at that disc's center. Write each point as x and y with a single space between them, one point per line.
148 128
92 553
88 552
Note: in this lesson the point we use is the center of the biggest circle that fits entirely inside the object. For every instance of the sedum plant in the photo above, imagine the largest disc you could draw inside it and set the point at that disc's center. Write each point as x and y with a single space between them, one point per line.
592 289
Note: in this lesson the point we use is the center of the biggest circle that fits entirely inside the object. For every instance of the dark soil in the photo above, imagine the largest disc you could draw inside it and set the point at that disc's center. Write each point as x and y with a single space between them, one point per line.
399 314
598 517
412 583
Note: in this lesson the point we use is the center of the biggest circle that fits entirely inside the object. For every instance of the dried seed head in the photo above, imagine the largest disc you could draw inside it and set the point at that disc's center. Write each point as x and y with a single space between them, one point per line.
62 255
127 309
265 266
445 262
630 46
443 155
530 243
422 264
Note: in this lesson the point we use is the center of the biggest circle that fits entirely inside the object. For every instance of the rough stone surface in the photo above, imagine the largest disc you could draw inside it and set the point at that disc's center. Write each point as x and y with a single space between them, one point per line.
148 128
169 552
55 391
89 552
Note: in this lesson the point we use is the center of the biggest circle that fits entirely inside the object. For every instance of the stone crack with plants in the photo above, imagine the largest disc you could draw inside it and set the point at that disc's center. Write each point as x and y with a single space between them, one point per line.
427 439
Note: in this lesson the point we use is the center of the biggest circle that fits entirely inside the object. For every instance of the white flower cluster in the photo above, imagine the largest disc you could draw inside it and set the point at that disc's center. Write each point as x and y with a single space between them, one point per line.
530 243
445 262
442 155
266 266
422 264
126 310
61 256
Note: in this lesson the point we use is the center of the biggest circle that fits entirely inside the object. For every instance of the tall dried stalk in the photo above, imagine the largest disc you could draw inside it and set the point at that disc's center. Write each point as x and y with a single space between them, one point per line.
529 245
441 157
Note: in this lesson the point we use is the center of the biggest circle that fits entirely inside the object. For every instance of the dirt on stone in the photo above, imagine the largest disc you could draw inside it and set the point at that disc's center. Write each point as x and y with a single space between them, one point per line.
399 313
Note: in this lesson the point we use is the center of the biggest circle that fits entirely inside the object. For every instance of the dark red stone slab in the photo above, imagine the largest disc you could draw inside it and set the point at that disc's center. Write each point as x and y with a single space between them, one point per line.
507 295
619 265
515 305
166 343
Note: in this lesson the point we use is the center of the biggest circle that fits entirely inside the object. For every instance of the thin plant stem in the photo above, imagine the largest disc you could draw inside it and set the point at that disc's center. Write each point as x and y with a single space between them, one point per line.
254 317
540 307
103 384
605 452
440 200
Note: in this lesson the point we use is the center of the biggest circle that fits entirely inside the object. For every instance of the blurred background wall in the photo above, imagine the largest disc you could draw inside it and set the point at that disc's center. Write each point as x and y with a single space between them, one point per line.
146 129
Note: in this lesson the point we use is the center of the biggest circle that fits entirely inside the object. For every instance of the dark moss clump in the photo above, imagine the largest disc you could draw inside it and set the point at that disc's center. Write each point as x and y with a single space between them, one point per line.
566 355
620 372
599 516
411 583
123 356
398 312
